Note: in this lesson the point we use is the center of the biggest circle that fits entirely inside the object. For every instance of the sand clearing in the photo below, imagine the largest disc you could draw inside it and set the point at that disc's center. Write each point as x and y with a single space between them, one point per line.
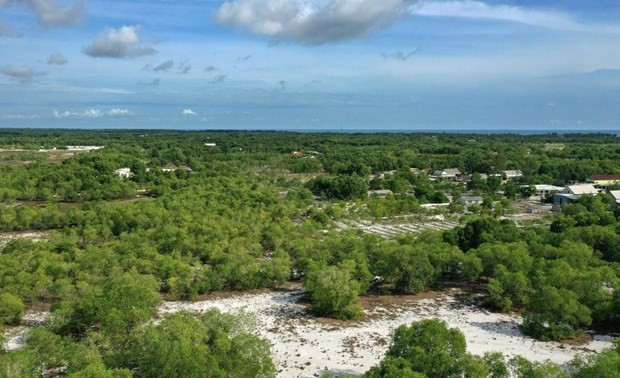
304 346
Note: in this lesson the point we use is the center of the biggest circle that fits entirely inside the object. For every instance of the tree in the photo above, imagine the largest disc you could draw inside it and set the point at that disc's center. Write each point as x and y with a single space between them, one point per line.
407 267
211 345
428 348
602 365
122 303
556 314
523 368
334 292
11 309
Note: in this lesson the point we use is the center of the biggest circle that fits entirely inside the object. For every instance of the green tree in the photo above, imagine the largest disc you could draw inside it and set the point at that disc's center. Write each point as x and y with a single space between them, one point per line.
602 365
428 348
211 345
555 314
333 290
11 309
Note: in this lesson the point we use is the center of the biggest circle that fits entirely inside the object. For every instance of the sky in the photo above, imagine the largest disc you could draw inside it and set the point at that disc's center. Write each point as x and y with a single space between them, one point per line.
311 64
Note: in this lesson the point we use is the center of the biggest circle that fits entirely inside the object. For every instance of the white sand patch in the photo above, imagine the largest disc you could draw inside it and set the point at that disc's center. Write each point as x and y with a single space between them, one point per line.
16 336
35 236
304 346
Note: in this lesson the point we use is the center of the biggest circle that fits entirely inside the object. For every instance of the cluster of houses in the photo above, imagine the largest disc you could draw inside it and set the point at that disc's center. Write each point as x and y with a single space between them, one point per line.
454 174
561 195
599 184
126 172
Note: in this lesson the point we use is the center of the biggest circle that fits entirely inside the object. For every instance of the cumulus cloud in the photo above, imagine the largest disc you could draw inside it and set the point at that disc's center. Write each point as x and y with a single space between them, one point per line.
311 22
50 13
23 74
165 66
189 112
123 42
93 113
57 59
7 30
479 10
117 112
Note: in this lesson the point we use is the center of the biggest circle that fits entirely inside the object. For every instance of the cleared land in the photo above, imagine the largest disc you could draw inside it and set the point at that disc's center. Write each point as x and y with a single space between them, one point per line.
305 346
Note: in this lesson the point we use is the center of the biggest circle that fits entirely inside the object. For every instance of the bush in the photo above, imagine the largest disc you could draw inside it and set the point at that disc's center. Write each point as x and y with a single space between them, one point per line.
334 292
11 309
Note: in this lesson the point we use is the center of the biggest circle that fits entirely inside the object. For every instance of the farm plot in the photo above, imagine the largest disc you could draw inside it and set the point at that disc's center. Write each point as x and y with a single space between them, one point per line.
391 230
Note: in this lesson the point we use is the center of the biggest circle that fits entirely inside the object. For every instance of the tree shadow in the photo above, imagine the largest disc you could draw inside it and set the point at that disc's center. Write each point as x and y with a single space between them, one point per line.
501 327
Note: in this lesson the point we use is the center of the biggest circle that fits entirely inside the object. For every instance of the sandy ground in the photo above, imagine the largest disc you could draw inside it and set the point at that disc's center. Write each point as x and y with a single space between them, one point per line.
304 346
36 236
16 336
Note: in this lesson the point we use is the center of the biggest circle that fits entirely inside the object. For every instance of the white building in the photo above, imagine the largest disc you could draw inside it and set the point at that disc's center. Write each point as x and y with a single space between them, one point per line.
470 200
544 190
124 172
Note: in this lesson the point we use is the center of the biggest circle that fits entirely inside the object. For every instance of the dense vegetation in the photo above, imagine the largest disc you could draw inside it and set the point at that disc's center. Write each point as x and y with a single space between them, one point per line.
249 214
429 348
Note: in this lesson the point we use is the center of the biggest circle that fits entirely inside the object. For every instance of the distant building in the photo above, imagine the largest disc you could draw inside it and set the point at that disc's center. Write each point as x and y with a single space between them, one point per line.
572 193
544 190
469 178
512 174
382 174
169 168
470 200
298 153
210 144
602 181
448 174
124 172
615 194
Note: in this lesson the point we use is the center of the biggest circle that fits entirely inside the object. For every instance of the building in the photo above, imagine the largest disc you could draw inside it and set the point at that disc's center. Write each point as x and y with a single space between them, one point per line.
298 153
513 174
448 174
544 190
470 200
615 194
210 144
124 172
602 181
572 193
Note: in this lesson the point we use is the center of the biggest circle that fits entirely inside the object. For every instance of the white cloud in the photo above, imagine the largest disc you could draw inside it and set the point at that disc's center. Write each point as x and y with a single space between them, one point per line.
123 42
116 91
117 112
93 113
311 22
23 74
479 10
17 117
50 13
57 59
189 112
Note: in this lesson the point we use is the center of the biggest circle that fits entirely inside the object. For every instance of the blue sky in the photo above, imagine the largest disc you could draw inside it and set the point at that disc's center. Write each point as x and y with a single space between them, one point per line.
311 64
